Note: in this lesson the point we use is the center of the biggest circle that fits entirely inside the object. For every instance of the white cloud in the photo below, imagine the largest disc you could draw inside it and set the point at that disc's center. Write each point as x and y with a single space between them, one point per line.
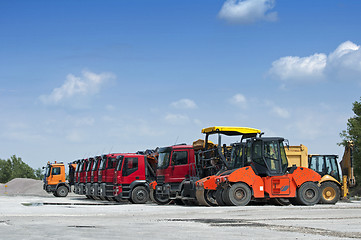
277 110
344 62
248 11
176 119
298 68
184 103
88 84
239 100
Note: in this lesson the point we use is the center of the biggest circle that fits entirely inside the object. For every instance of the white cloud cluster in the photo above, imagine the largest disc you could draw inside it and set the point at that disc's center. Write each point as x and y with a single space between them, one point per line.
239 100
176 119
345 61
248 11
89 83
184 103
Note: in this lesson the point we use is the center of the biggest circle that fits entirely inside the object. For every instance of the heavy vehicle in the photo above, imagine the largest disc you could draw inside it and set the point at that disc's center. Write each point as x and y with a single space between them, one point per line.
264 174
180 166
132 176
82 176
54 179
106 176
88 170
93 185
333 185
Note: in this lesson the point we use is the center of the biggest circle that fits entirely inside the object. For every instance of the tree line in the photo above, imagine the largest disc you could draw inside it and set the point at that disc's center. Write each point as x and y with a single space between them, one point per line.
14 167
353 133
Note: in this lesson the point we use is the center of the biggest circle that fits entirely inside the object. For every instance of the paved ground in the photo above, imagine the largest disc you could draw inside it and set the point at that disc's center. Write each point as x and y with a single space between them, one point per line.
26 217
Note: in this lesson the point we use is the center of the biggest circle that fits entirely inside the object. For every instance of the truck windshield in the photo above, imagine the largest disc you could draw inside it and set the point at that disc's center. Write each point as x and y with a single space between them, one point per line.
95 164
88 168
47 171
163 160
119 165
102 163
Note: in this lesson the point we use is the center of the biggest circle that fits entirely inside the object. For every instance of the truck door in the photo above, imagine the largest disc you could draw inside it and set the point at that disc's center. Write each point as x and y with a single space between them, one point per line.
133 170
179 165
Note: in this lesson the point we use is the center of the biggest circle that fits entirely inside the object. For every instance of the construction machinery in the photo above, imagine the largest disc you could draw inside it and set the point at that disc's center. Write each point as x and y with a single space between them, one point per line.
55 180
264 174
181 166
333 184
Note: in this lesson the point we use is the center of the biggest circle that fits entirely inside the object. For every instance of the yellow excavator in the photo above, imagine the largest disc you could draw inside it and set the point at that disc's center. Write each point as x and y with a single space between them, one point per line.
333 185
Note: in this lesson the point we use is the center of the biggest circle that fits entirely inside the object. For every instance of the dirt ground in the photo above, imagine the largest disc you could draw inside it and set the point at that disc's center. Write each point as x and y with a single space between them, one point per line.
31 217
27 212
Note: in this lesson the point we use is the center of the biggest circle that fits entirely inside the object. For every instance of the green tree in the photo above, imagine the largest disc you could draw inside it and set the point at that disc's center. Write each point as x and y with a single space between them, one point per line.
15 168
353 133
5 171
39 174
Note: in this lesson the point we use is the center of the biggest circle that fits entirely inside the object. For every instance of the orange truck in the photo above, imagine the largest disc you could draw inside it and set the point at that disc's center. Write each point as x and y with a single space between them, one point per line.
55 179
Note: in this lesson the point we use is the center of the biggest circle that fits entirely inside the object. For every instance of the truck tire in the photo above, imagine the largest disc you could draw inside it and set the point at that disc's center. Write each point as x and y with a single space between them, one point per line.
308 194
330 193
240 194
160 200
62 191
139 195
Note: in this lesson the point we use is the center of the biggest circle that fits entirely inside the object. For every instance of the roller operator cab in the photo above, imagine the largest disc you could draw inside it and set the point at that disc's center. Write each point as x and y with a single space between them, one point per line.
265 175
54 179
132 176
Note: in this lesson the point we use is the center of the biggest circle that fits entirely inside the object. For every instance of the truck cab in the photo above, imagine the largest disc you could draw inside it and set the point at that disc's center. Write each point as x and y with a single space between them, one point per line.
54 179
106 175
88 176
132 176
176 166
82 176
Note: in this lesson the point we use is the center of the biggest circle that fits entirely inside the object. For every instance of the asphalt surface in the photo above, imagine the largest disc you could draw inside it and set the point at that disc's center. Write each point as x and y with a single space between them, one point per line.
75 217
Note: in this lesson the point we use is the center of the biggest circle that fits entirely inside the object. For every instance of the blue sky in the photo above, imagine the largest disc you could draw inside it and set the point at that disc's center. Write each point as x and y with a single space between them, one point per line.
80 78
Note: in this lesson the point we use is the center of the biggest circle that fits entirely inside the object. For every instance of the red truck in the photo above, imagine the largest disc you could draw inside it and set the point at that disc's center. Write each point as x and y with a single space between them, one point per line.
82 176
93 185
132 176
88 177
106 176
79 166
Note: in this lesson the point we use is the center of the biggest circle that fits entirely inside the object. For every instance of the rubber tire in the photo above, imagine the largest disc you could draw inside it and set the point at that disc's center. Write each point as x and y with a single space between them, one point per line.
210 197
225 197
139 195
308 194
219 198
239 194
280 201
62 191
160 201
329 187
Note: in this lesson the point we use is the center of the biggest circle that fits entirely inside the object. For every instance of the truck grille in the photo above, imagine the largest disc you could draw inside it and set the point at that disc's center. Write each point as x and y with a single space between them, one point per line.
160 179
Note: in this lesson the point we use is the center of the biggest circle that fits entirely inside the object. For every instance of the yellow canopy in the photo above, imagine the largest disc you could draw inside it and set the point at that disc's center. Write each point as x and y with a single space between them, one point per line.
230 131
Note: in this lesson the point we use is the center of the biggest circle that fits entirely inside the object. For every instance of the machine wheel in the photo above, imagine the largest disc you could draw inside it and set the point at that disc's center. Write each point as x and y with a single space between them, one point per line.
210 197
280 201
219 198
55 195
160 200
308 194
239 194
139 195
330 193
62 191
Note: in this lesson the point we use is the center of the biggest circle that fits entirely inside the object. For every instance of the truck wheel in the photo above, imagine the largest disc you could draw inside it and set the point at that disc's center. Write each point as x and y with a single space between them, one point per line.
308 194
219 198
330 193
62 191
160 200
239 194
140 195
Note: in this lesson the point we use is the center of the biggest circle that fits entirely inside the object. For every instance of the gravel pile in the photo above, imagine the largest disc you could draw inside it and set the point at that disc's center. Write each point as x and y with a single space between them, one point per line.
23 186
